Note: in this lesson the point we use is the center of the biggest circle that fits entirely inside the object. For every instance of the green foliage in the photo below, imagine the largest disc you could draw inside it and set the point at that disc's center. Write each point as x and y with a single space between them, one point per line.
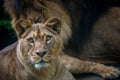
5 24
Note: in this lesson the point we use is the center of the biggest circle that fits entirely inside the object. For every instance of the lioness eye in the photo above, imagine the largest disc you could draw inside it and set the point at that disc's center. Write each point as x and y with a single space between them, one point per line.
31 40
48 38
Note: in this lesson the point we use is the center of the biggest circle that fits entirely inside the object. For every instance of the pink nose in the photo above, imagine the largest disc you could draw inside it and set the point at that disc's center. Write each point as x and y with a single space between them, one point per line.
41 54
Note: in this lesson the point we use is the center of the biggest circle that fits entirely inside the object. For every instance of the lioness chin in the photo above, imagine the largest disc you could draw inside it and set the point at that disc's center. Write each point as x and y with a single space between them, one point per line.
36 56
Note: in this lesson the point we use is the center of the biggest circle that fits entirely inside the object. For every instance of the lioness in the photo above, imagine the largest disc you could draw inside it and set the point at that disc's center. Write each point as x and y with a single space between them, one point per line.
38 56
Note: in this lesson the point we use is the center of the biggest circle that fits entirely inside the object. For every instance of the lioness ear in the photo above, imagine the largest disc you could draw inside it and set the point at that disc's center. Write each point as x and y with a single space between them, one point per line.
21 26
54 24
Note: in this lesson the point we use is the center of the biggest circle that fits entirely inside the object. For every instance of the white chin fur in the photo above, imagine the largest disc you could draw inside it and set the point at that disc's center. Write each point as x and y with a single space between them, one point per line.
41 65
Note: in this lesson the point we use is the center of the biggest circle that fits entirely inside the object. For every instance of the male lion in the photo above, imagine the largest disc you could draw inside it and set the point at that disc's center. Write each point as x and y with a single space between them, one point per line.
38 56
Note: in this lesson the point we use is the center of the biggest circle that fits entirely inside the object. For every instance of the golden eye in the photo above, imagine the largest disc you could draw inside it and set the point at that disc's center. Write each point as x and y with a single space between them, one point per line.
48 38
31 40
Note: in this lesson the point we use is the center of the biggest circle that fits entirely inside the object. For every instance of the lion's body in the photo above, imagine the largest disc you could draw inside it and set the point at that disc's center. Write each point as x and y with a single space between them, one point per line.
8 70
13 70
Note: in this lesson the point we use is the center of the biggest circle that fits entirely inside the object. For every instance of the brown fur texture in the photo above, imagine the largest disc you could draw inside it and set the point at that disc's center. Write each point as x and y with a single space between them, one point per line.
36 55
72 64
39 11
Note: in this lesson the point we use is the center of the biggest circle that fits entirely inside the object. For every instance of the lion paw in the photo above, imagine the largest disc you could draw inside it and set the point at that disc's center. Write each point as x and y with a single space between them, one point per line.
110 73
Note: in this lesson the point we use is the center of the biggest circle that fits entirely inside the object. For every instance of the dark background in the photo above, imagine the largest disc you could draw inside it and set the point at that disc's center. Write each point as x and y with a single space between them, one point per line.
7 35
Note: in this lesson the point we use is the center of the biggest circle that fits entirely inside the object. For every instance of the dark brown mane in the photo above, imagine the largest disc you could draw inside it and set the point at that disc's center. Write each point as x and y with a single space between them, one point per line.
42 10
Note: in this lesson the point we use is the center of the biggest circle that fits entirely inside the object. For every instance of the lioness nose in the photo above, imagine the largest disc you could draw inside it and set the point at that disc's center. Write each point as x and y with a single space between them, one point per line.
41 54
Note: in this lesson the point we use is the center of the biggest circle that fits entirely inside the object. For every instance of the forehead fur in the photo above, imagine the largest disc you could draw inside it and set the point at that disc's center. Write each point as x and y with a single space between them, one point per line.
38 29
51 26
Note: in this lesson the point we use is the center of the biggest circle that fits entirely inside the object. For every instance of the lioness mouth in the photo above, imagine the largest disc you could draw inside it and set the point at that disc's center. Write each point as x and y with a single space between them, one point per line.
41 64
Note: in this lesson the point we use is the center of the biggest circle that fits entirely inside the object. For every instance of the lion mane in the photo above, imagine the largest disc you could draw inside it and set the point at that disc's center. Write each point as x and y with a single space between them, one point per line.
40 11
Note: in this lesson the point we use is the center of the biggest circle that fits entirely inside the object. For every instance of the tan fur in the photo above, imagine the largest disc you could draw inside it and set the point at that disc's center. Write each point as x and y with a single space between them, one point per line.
22 62
72 64
43 10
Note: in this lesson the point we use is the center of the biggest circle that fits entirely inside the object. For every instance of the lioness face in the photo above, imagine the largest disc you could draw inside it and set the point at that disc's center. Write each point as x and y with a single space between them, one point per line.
39 43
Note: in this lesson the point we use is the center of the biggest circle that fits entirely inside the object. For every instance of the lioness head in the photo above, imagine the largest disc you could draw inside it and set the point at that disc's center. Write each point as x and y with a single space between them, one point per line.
38 43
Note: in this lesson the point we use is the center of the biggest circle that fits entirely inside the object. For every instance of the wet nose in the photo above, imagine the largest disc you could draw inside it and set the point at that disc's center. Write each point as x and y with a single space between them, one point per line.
41 54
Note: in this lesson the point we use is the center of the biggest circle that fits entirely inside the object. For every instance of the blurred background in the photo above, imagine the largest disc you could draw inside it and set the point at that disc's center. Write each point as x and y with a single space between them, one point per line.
7 35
